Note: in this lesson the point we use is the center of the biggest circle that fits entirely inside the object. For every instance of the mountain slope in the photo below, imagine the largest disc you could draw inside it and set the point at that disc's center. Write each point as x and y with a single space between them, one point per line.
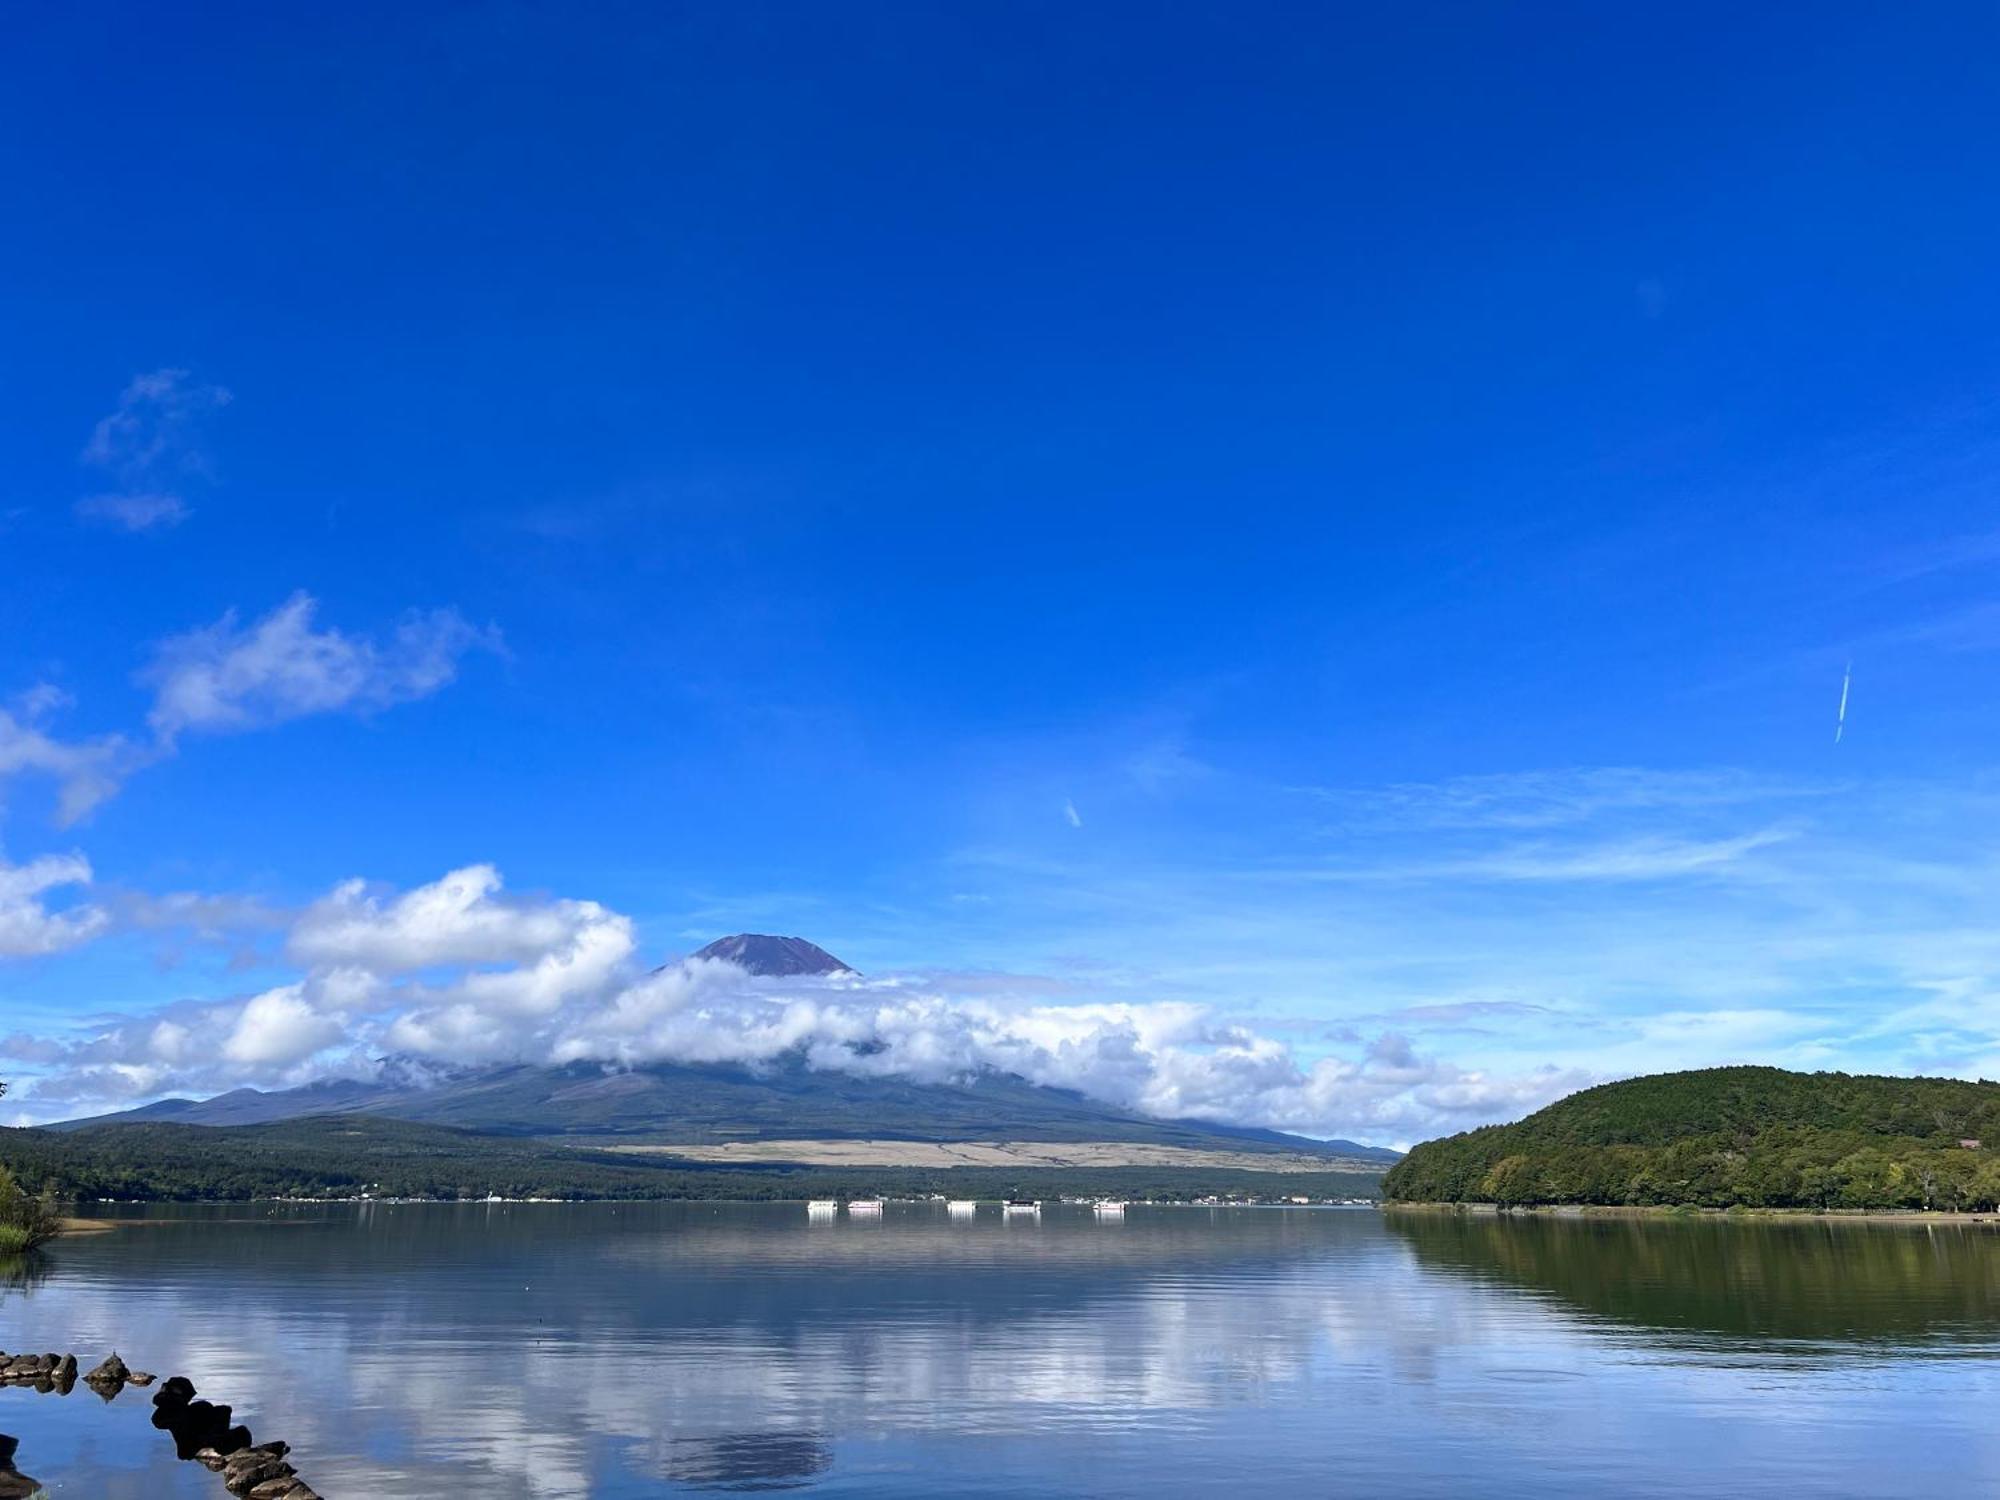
773 957
1719 1137
668 1102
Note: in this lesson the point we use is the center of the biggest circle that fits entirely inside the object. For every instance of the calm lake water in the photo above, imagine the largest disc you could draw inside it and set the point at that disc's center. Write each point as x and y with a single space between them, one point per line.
529 1350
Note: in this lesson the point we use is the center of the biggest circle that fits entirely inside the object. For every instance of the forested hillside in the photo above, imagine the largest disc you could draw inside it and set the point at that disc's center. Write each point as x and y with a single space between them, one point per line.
1720 1137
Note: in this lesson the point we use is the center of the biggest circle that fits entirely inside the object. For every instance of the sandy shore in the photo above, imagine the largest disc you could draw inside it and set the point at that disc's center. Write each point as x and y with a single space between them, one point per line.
998 1154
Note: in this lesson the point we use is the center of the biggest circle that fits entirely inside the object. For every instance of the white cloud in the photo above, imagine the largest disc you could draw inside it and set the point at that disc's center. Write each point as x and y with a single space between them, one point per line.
461 918
151 445
229 677
1523 800
144 511
279 1027
1071 815
1629 859
28 928
86 772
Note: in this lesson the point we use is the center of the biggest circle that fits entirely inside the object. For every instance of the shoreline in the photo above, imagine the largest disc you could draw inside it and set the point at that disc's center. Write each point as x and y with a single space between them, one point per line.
1694 1211
112 1220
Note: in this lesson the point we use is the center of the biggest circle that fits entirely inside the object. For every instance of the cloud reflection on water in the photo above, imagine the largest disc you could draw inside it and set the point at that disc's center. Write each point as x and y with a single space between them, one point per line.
554 1352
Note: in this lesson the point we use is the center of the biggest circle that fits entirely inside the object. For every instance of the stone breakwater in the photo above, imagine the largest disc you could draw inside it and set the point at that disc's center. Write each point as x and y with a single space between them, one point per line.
202 1431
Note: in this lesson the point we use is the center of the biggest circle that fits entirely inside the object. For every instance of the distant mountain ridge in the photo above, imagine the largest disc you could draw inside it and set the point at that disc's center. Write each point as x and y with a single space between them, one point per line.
707 1104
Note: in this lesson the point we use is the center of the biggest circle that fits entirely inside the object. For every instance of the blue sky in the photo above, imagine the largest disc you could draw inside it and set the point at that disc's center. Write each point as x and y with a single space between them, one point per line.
1293 563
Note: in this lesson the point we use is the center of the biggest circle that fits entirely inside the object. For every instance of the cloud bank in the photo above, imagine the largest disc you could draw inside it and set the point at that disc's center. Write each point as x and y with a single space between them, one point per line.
458 971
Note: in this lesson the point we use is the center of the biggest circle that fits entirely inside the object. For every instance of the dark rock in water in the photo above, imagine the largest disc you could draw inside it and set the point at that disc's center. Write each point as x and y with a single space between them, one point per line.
210 1458
197 1424
112 1370
66 1366
14 1485
177 1391
282 1488
139 1377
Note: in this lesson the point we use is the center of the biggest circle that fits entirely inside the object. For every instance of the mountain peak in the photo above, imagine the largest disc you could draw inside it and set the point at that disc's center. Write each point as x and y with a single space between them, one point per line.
773 957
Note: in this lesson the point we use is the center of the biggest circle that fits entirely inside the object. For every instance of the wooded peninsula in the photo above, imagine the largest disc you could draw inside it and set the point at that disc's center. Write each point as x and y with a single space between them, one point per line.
1727 1137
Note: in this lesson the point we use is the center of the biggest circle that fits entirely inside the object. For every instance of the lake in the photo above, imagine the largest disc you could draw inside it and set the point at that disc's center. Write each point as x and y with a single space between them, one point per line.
517 1350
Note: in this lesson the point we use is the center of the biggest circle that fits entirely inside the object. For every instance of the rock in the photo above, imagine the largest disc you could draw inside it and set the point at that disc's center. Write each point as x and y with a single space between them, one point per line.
243 1460
112 1370
275 1449
281 1488
14 1485
66 1366
211 1459
240 1478
178 1390
139 1377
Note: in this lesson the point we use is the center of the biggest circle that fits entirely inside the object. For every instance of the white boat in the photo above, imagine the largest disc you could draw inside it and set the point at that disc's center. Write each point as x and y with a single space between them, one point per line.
1021 1206
822 1208
962 1208
1109 1209
866 1207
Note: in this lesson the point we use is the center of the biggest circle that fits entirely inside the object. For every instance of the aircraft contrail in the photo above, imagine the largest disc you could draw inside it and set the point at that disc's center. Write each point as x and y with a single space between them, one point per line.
1840 723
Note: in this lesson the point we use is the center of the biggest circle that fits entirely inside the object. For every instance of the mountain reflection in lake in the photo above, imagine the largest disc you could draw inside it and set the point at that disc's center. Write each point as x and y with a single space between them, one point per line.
528 1350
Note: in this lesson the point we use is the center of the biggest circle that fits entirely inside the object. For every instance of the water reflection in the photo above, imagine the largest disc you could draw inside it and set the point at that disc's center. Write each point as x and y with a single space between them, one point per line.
523 1351
709 1347
1772 1280
747 1461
